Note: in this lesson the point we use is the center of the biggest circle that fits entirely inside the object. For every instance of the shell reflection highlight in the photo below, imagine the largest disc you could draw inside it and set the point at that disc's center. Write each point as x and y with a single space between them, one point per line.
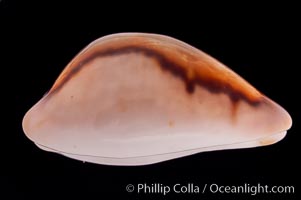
136 98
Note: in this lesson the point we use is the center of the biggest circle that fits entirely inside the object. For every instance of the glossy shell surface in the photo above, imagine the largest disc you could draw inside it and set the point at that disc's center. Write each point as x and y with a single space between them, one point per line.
137 98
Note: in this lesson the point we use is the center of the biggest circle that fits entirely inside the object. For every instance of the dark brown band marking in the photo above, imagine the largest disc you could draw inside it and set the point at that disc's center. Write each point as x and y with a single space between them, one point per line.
166 65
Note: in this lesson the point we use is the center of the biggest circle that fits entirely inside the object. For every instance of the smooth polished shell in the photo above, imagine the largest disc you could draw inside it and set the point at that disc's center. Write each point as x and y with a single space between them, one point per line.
136 98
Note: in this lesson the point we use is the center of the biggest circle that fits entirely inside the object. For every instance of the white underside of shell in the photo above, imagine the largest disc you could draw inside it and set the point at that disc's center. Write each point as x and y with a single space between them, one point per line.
151 159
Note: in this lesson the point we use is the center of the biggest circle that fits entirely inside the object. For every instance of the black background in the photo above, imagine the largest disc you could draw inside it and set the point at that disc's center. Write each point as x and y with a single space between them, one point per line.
261 43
